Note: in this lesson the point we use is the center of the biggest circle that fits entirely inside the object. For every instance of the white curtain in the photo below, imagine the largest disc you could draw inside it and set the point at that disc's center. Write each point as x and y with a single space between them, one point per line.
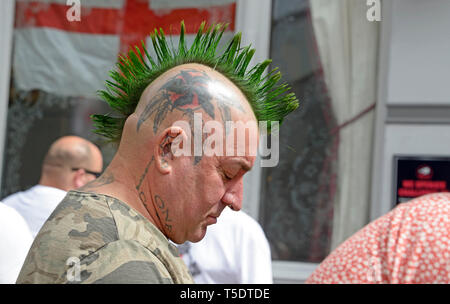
348 47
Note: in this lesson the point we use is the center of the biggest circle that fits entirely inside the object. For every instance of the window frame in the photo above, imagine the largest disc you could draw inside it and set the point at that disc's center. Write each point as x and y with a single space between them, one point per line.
6 40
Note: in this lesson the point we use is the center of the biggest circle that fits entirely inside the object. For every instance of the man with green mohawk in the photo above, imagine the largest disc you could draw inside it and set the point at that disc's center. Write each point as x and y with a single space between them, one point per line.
117 228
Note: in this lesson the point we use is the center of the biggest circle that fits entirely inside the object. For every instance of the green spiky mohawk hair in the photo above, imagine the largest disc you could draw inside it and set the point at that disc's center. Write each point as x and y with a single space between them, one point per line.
269 100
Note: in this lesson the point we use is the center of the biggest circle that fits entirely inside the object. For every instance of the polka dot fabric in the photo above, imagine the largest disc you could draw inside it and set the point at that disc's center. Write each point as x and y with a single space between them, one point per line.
410 244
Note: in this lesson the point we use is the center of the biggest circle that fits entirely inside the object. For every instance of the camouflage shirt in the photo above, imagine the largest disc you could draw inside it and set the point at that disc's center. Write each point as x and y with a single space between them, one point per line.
95 238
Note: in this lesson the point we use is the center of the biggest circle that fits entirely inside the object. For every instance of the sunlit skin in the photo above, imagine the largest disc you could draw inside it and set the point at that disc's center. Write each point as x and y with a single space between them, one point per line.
179 195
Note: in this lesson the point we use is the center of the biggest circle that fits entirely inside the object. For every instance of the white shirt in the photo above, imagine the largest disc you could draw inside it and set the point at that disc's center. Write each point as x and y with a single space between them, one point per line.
233 251
35 204
15 241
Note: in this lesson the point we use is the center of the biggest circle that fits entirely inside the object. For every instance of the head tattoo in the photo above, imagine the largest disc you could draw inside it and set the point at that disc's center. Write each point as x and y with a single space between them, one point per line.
270 101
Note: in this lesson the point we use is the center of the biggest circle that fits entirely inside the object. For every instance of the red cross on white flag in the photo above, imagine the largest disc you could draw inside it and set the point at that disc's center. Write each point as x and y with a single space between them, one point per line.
73 58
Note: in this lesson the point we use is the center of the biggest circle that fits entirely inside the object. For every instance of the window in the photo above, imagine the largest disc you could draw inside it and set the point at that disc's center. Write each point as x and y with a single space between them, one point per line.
296 205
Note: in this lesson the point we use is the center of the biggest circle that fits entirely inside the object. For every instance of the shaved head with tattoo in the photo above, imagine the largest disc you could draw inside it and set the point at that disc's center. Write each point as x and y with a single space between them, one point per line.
179 195
186 124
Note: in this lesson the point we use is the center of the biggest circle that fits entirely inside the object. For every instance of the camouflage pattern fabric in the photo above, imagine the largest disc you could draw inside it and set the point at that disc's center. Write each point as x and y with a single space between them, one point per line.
95 238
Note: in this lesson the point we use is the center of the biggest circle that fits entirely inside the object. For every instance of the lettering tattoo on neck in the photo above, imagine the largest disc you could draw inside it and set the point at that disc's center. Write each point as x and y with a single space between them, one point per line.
188 91
164 211
138 187
141 193
158 200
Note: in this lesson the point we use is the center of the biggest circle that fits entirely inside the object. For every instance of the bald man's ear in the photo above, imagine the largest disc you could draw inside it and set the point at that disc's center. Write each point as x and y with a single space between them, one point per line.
163 150
78 179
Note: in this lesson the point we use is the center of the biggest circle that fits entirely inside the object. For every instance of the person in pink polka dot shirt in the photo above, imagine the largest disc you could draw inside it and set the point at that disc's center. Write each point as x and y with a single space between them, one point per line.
410 244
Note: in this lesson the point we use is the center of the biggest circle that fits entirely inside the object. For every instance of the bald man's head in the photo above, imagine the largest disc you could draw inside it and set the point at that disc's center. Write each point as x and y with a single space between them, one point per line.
187 97
189 190
70 163
190 88
180 93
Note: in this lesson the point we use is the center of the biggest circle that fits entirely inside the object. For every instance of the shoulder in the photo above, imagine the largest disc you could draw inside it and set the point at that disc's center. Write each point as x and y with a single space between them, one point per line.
8 215
16 240
12 224
12 198
47 193
82 214
79 204
37 194
383 243
419 214
123 261
426 206
79 226
83 217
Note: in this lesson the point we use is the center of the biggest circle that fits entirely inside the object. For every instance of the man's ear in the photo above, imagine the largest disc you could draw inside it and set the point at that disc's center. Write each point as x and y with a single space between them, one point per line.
163 150
78 179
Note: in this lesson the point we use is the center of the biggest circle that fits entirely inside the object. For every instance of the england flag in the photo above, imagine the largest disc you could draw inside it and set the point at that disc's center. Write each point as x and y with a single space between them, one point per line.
67 47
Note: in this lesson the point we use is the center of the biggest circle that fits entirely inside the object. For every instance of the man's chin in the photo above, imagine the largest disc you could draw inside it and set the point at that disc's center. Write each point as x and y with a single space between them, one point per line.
199 235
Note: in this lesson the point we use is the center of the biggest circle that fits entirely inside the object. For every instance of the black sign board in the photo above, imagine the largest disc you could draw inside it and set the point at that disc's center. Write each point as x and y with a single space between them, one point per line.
419 175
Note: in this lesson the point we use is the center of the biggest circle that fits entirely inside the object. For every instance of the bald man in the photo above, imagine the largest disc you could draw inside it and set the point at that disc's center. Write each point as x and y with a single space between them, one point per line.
70 163
157 188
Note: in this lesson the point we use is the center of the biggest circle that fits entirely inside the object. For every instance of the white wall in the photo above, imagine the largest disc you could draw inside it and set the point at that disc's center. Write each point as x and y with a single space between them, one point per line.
413 109
419 70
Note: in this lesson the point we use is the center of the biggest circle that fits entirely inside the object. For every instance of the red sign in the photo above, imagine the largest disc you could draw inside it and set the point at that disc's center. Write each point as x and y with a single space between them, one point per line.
417 176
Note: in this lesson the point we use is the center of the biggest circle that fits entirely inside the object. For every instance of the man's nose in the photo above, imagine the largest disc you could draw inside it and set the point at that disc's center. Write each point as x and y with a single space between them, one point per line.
233 196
